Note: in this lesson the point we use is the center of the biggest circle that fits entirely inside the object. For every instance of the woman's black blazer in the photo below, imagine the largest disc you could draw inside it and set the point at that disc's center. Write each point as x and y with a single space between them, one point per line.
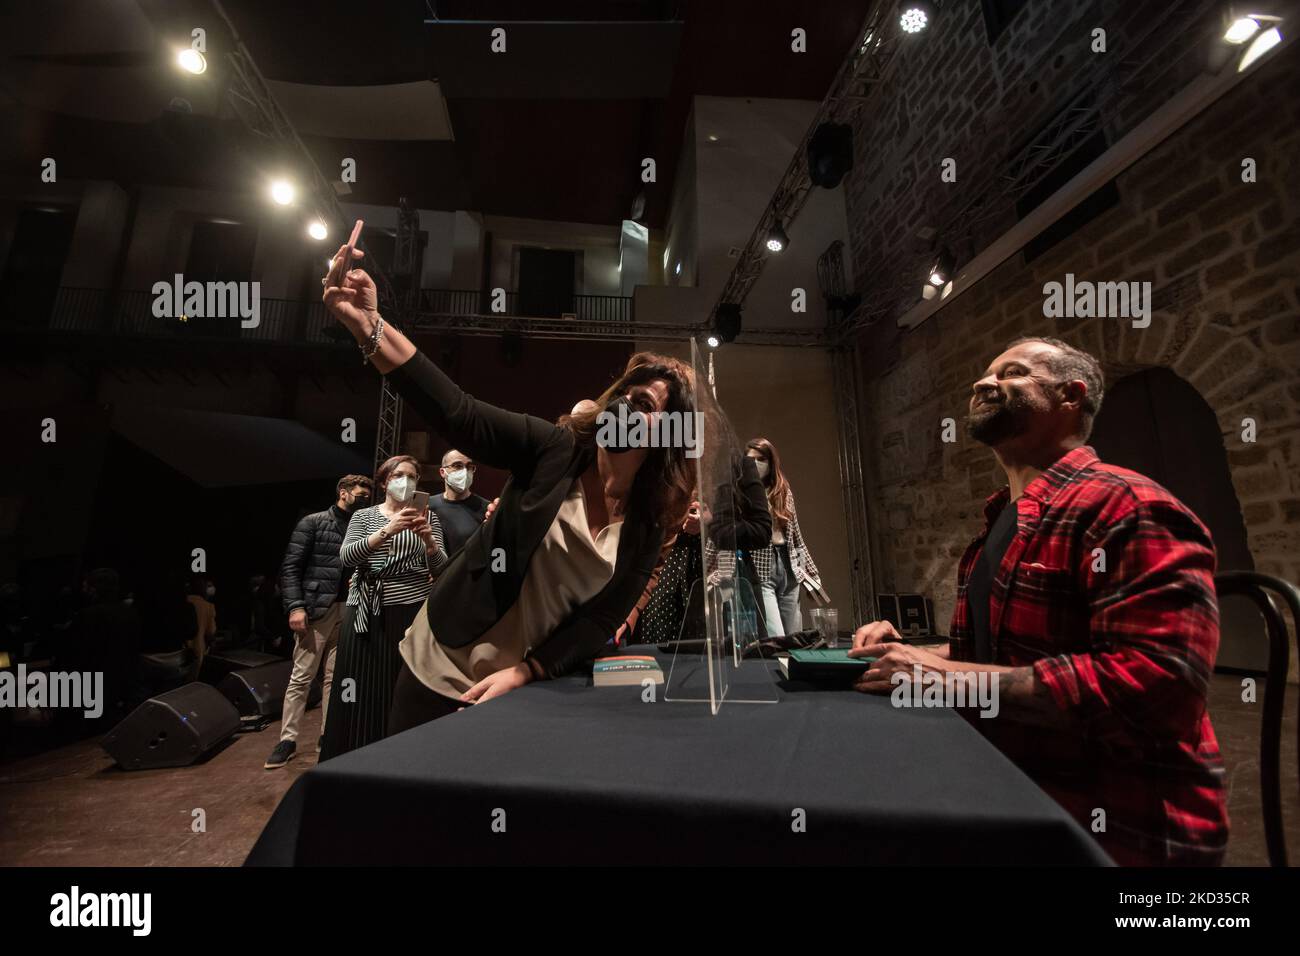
481 583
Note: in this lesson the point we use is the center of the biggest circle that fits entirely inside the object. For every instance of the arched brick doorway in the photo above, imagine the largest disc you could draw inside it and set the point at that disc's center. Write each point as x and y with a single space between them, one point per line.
1158 424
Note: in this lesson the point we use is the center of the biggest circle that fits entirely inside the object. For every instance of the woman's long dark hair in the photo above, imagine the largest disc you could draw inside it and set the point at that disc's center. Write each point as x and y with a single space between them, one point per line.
663 483
778 489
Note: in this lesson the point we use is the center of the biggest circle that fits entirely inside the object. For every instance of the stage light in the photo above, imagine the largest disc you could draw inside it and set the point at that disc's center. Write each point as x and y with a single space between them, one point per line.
777 240
712 341
282 192
191 61
727 322
678 270
316 229
941 271
1241 30
1259 46
915 15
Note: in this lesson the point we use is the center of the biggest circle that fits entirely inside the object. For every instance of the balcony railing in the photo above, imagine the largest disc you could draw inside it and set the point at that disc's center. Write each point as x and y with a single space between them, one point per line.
131 314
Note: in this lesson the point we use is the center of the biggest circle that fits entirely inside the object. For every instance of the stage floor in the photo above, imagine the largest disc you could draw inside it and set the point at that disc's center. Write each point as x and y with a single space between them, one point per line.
72 807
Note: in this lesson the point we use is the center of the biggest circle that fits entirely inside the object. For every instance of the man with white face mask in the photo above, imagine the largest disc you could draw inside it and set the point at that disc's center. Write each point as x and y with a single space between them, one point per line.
459 510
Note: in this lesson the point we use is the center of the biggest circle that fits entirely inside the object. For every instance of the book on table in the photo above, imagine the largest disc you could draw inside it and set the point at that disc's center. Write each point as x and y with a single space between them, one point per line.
625 669
824 664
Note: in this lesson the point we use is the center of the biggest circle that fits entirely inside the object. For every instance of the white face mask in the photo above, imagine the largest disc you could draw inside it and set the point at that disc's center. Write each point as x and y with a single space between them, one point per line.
401 489
461 479
763 468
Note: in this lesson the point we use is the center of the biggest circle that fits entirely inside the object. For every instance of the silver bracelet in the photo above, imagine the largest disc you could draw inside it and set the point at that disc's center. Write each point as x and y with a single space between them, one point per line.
372 346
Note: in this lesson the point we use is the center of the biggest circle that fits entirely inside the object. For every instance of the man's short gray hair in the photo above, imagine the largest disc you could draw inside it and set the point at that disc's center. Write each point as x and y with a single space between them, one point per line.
1069 364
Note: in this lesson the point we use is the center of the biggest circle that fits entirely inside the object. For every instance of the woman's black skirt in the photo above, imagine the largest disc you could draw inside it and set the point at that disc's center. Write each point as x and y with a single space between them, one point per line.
359 716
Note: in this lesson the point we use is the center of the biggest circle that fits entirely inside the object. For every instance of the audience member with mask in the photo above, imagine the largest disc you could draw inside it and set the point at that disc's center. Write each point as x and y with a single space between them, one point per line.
459 510
786 562
394 552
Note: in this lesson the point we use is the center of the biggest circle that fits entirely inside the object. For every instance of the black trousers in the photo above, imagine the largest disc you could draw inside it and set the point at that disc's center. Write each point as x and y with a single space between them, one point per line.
414 704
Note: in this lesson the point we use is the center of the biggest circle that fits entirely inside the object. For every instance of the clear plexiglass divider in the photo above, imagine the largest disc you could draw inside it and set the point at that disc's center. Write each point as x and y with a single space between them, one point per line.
718 657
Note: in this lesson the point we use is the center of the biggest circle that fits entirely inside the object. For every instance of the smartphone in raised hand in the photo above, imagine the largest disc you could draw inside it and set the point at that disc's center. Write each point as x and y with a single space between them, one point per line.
420 502
344 264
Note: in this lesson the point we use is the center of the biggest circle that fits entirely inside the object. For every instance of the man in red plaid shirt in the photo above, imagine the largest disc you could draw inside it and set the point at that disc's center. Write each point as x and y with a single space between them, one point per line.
1090 593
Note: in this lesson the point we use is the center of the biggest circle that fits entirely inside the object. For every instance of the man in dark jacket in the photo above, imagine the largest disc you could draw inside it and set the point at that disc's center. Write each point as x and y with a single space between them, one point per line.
315 594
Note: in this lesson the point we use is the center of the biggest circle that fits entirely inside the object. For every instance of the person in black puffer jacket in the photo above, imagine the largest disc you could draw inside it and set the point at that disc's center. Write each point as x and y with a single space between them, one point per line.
315 595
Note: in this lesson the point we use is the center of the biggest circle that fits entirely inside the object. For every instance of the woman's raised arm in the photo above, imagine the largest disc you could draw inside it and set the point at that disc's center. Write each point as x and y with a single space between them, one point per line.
492 435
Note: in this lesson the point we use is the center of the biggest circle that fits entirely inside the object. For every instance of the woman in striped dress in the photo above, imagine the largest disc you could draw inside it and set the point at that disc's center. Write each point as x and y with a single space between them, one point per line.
393 553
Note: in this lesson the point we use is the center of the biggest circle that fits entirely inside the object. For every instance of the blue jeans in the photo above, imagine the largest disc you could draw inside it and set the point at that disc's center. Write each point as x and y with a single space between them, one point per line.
781 595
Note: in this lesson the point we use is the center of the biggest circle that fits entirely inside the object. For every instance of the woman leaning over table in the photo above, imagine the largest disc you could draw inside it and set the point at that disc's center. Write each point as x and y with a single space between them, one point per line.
541 587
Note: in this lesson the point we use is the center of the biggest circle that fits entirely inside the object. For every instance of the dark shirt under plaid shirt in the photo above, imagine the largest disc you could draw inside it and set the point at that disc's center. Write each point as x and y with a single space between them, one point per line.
1126 653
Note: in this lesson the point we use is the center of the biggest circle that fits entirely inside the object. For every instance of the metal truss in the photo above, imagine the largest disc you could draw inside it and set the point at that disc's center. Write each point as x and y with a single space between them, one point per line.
866 67
251 100
853 485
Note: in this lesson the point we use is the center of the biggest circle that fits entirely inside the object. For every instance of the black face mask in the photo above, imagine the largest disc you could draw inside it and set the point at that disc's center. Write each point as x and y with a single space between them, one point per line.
617 447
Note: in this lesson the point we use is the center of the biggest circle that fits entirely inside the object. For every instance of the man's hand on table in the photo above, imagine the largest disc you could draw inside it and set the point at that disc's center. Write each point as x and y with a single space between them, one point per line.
879 640
498 683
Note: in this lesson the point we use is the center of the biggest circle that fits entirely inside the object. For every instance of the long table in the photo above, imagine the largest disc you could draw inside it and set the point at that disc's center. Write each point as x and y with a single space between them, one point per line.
560 772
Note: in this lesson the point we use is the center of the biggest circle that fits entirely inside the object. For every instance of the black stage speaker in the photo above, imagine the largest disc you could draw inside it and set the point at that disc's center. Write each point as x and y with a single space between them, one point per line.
220 663
259 691
173 729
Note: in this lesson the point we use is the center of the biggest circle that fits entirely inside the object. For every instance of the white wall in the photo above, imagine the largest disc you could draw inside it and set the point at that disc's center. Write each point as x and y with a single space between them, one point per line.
598 245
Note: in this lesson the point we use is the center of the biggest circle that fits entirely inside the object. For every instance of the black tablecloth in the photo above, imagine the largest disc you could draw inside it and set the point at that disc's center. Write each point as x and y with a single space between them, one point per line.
594 775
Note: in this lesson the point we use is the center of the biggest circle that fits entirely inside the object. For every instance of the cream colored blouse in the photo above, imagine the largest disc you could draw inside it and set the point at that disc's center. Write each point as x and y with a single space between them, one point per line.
567 570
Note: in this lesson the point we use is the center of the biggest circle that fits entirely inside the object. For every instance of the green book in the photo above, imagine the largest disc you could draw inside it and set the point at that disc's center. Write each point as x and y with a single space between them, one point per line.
825 664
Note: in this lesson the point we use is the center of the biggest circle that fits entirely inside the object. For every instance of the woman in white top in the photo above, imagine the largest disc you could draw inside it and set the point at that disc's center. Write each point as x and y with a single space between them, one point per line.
782 566
542 587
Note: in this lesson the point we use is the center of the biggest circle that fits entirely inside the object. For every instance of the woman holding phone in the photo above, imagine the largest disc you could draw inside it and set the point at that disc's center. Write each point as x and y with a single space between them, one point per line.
785 562
392 552
737 518
541 587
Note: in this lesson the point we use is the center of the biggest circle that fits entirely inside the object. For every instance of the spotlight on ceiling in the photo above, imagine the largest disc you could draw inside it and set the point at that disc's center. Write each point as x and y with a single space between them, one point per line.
316 229
191 61
1258 47
777 240
712 341
941 271
282 192
726 322
1241 30
915 15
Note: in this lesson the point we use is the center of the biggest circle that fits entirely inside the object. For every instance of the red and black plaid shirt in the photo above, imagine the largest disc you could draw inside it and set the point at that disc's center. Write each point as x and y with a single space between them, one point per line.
1107 591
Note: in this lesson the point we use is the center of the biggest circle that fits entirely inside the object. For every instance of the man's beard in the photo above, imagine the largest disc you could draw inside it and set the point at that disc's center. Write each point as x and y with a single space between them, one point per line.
993 422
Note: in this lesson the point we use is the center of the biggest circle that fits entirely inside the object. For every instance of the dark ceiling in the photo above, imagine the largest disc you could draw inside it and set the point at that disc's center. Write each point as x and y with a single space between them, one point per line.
519 151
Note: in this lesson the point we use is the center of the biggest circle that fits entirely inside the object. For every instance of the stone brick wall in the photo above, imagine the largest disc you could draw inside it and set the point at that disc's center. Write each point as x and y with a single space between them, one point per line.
1223 258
